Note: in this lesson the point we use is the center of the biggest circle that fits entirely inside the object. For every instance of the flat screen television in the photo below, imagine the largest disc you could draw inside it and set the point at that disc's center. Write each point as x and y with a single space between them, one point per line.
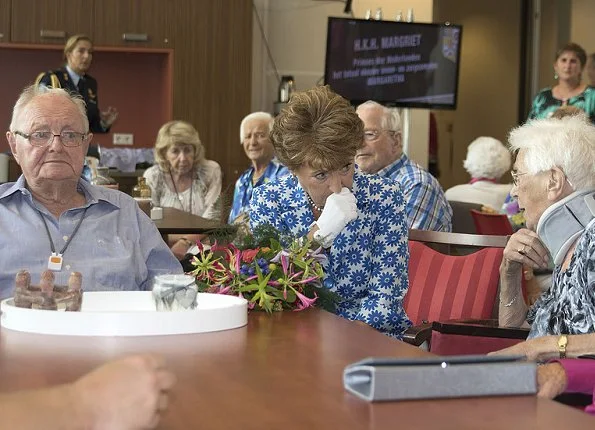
394 63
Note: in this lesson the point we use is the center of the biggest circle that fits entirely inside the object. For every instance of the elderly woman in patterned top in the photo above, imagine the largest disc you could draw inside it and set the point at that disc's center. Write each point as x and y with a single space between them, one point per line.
554 181
183 178
360 220
254 137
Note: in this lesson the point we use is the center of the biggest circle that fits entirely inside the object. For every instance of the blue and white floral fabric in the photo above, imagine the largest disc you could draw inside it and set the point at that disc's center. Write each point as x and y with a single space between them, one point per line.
367 265
242 192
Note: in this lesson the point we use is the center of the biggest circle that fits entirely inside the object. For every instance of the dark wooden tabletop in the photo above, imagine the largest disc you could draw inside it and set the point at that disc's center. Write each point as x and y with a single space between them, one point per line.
280 372
176 221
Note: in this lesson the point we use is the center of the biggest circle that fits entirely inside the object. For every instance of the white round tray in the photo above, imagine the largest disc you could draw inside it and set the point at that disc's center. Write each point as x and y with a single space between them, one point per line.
128 313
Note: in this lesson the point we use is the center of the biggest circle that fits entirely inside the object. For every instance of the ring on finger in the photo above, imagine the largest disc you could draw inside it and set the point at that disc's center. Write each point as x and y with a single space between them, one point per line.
522 250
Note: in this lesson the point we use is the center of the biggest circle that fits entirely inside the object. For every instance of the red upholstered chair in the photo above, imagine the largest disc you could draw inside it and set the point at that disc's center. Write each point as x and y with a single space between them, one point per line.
491 224
445 287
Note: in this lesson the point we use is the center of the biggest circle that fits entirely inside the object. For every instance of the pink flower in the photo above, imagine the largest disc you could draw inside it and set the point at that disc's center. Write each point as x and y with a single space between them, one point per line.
224 290
284 263
305 302
218 266
277 257
216 247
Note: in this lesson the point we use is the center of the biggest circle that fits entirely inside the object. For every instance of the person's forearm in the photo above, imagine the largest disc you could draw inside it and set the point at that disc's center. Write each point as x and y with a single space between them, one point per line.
512 310
191 239
581 344
51 408
580 375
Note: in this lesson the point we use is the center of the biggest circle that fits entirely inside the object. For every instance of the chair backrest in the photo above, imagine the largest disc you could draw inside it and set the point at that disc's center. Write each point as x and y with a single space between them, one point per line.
456 243
443 287
462 222
491 224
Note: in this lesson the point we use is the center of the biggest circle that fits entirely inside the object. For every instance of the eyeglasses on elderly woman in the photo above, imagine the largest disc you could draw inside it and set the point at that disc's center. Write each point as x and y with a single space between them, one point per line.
515 177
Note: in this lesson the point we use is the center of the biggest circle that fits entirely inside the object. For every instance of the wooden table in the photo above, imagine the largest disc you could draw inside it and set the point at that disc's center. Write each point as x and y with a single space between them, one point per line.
280 372
176 221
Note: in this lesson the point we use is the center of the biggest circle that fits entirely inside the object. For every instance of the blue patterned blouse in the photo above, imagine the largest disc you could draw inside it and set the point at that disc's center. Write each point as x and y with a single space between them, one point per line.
367 265
242 192
568 306
427 207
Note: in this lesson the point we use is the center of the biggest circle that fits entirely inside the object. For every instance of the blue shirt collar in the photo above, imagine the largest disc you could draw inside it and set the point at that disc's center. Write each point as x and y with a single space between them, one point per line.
92 193
393 167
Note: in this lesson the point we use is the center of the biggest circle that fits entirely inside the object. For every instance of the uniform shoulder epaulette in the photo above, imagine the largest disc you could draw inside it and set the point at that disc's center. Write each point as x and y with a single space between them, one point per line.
54 81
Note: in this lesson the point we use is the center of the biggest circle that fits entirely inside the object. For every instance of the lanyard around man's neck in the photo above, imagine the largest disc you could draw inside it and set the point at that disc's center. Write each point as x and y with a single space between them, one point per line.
55 260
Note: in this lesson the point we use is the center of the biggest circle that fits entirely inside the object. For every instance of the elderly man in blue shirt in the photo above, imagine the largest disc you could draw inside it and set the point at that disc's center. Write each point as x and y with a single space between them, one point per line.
382 154
254 137
52 219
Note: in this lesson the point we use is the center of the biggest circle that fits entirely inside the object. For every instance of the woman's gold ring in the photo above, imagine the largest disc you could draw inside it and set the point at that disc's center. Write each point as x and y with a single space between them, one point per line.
522 250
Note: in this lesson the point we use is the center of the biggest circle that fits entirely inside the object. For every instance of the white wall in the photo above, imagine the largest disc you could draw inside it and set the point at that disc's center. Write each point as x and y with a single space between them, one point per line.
296 33
489 80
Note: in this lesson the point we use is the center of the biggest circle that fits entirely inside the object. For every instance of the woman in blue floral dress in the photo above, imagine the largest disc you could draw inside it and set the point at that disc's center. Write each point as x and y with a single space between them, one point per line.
360 220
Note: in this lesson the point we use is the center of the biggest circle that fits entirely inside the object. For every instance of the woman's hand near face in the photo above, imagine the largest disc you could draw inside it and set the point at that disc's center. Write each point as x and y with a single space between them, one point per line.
339 210
524 247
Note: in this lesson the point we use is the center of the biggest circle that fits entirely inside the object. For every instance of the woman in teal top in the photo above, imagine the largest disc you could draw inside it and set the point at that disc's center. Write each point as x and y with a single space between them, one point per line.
570 91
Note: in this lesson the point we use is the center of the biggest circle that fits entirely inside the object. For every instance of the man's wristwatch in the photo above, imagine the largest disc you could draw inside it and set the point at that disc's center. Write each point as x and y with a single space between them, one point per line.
562 344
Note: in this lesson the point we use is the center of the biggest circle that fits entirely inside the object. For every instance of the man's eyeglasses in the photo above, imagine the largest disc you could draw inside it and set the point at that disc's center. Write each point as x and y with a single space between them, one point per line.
44 138
515 177
372 135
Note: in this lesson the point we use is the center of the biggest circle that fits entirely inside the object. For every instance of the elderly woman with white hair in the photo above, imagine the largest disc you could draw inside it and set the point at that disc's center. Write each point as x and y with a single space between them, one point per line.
254 137
554 181
487 160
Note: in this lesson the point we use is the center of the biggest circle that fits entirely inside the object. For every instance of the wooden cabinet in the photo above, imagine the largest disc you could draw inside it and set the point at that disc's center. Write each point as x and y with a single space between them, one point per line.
49 21
4 21
133 23
212 75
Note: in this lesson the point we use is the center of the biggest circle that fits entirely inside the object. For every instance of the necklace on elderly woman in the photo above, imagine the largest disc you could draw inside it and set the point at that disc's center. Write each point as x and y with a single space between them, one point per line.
318 208
180 198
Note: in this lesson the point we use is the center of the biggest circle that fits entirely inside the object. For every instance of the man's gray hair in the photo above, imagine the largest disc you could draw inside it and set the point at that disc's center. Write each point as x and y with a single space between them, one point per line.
487 158
391 120
567 143
33 91
262 116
